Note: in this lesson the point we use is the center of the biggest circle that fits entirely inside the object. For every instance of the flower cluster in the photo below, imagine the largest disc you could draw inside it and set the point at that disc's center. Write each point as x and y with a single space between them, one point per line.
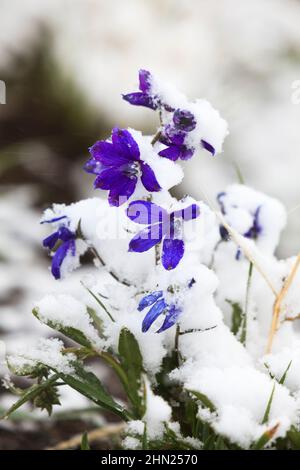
213 381
129 164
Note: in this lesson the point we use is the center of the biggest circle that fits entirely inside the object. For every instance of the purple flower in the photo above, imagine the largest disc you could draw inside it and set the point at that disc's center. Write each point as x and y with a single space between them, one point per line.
146 96
67 238
118 167
163 226
174 139
174 136
253 232
159 306
184 120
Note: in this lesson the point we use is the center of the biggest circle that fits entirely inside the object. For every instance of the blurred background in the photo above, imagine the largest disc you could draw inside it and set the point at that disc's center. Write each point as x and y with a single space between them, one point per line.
65 64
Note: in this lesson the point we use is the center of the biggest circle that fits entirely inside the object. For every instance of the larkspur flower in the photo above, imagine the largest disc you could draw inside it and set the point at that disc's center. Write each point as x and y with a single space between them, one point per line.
163 227
146 96
118 167
160 305
175 137
67 247
254 227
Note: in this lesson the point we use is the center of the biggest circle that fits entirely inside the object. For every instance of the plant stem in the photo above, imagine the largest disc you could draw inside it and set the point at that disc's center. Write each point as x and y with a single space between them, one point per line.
244 322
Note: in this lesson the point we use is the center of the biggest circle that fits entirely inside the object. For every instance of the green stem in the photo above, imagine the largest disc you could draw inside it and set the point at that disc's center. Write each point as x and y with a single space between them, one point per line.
244 323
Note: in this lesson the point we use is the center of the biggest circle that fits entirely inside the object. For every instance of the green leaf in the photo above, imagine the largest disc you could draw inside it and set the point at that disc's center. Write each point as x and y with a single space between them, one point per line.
243 332
282 380
204 400
132 363
145 438
294 437
86 383
209 444
220 444
265 438
31 394
99 302
268 408
70 332
85 442
97 322
236 316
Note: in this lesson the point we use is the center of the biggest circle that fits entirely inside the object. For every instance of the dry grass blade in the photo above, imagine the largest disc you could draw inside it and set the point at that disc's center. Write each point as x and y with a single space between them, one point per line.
278 303
92 436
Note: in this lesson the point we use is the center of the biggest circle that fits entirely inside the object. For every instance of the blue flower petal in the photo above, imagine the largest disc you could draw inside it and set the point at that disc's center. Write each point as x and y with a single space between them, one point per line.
124 144
149 300
122 191
172 152
207 146
141 99
108 178
171 318
60 255
145 79
55 219
146 212
51 241
172 252
188 213
146 238
149 179
65 234
153 314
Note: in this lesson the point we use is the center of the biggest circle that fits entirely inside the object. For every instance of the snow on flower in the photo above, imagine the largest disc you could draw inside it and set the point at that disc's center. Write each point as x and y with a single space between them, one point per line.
67 247
253 214
164 227
159 305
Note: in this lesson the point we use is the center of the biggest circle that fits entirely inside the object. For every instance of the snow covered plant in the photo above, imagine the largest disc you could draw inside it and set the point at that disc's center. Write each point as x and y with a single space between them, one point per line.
186 301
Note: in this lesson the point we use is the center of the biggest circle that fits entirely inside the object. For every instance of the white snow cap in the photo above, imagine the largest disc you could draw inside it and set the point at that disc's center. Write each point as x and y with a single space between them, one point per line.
47 352
66 312
241 205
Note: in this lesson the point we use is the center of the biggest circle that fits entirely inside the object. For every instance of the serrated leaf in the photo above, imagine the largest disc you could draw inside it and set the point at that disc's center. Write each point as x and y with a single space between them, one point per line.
86 383
204 400
69 331
85 442
31 394
132 363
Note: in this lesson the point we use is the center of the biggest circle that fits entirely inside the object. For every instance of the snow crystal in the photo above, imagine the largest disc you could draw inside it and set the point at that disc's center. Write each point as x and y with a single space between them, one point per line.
157 413
240 395
47 352
66 311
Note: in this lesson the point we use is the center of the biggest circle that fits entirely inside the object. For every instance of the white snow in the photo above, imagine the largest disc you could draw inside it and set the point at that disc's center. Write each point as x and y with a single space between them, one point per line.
66 311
